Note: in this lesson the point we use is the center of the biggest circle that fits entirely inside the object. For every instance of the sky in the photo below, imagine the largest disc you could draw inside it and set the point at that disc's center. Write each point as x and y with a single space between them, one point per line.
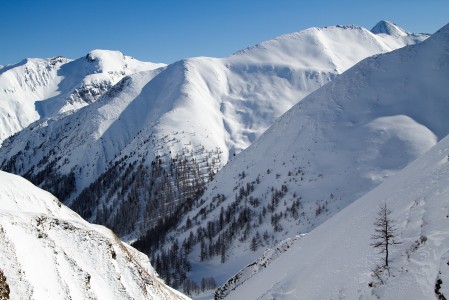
169 30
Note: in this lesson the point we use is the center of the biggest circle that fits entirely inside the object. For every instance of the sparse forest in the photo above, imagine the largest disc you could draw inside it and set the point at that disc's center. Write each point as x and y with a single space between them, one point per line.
237 221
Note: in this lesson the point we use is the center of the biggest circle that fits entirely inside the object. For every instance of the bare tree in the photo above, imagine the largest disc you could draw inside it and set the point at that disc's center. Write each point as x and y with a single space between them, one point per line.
384 233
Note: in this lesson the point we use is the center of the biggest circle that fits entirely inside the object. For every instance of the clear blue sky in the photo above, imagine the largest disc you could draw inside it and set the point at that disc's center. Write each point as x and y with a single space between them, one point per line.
168 30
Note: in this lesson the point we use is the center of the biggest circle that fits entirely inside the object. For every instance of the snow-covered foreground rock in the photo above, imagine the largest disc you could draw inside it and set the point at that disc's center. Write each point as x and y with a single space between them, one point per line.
48 252
335 260
152 141
38 88
323 154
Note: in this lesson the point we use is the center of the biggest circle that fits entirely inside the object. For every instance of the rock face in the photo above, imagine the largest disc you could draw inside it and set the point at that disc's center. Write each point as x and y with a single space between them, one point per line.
49 252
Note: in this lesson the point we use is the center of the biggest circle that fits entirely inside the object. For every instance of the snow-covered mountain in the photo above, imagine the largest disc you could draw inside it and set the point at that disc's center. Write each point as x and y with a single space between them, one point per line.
50 252
154 140
37 88
327 151
335 260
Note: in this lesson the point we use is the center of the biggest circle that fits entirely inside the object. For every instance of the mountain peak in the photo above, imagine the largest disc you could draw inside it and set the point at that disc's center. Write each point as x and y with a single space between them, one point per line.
387 27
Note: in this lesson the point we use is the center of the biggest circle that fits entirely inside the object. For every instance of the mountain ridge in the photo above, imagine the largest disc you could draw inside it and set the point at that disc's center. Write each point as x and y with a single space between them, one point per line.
36 88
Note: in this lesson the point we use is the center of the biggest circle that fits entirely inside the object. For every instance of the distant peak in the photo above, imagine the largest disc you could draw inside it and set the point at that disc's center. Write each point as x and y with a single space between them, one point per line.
387 27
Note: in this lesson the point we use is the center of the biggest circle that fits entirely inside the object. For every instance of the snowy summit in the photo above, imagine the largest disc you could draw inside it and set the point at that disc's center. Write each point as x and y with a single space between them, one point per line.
389 28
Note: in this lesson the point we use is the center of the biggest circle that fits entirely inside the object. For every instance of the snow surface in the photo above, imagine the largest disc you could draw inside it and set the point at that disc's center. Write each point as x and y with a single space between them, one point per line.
335 145
49 252
334 261
37 88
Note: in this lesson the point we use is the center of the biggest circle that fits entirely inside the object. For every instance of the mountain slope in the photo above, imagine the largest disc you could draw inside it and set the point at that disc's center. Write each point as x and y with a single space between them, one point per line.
49 252
335 259
153 141
327 151
36 88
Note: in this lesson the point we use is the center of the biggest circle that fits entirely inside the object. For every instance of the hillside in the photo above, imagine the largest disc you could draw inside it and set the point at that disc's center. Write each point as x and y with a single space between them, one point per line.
49 252
330 149
152 141
335 260
39 88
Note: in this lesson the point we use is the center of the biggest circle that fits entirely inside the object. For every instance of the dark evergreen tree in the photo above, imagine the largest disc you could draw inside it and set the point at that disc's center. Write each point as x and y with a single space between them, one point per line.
253 245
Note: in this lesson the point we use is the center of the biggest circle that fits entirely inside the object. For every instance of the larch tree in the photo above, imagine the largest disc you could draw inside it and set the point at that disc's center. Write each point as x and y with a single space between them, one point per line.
384 236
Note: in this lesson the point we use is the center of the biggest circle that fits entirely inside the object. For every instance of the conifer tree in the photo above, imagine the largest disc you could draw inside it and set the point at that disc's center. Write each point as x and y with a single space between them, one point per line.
384 236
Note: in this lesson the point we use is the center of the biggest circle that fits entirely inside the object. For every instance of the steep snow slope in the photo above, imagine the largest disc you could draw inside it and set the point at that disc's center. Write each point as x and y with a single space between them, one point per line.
36 88
334 261
49 252
328 150
190 118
